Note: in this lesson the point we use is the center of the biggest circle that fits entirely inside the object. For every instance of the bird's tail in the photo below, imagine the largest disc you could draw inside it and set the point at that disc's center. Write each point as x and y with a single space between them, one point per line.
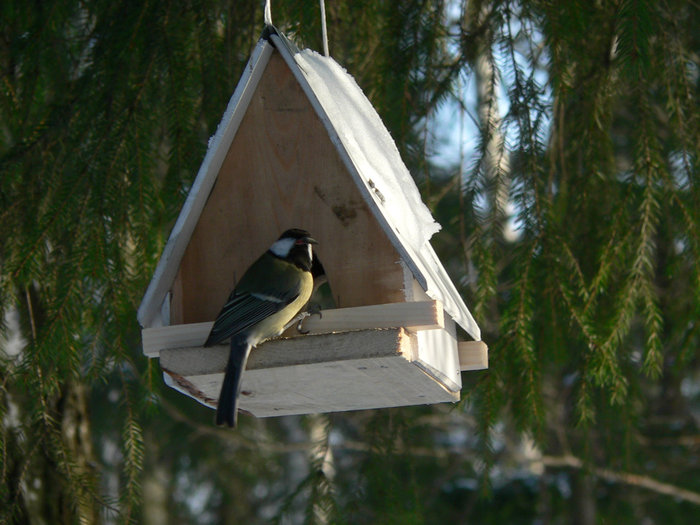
227 408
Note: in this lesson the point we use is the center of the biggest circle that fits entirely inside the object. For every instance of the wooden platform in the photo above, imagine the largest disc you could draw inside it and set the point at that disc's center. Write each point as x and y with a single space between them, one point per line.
315 373
352 359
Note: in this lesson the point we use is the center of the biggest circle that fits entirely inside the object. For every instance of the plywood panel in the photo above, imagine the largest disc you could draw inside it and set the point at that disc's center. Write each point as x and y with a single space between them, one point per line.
282 171
311 374
416 317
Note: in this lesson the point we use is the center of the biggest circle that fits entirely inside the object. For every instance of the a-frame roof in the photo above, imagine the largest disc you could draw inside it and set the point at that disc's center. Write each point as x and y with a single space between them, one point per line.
368 153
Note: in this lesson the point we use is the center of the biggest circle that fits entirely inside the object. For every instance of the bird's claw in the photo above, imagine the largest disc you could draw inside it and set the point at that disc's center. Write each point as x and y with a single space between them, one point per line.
299 327
300 322
313 309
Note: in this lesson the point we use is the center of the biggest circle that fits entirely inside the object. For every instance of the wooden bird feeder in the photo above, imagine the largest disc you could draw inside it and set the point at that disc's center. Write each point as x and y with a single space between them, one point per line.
301 146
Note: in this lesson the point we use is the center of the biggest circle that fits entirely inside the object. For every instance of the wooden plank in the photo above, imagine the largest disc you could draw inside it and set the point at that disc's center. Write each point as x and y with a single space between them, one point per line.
282 171
415 316
174 250
437 354
292 351
437 349
311 374
473 355
176 336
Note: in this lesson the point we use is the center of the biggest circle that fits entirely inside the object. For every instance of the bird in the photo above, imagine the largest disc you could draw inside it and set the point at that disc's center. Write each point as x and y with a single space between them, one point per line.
268 297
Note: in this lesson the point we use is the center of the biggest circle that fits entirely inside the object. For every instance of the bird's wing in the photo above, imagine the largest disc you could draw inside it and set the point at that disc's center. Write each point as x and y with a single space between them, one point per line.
242 311
246 307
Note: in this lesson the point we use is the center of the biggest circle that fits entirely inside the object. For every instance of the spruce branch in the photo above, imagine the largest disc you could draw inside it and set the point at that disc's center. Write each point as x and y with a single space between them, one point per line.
625 478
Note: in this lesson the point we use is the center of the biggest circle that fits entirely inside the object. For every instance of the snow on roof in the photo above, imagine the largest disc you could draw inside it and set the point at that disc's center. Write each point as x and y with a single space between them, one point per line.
368 152
370 147
371 156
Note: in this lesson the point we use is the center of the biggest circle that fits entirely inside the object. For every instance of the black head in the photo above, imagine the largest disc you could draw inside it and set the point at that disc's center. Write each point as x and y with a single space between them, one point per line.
297 233
295 246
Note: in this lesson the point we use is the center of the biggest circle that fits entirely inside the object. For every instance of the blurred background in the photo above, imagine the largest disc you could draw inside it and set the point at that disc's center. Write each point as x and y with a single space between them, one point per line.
555 142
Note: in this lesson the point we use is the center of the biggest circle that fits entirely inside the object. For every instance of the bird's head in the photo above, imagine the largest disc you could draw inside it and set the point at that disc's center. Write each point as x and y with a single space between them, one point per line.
295 246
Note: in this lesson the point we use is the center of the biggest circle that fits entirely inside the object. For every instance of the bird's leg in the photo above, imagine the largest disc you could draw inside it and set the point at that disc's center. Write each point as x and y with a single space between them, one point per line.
296 320
312 309
301 322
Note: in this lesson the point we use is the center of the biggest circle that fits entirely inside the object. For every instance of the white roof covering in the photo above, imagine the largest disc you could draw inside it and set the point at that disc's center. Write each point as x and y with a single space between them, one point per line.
369 146
368 152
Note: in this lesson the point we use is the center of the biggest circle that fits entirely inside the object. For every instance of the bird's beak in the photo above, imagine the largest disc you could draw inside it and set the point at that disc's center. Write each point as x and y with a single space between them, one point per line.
307 240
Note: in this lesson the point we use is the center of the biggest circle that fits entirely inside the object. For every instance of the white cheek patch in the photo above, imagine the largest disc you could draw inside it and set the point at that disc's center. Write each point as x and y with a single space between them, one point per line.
281 247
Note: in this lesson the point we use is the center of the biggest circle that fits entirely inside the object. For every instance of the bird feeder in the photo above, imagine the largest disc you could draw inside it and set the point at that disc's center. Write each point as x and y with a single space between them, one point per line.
301 146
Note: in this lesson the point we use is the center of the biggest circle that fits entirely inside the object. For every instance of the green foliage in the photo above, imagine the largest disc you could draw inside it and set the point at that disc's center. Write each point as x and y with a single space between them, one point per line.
571 230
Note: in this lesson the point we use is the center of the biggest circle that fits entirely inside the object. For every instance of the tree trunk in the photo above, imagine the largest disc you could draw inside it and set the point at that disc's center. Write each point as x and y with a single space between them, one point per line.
584 508
496 166
61 484
321 460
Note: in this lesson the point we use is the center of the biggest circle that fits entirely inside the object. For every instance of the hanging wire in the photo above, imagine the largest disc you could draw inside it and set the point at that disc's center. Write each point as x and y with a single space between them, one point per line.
268 13
324 32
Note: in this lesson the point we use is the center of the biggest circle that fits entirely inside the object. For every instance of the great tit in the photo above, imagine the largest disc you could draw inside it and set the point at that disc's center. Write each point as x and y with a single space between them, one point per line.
268 296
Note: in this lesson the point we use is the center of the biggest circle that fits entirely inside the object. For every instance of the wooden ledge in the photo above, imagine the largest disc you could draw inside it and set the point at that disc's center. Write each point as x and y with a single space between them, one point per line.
473 355
414 316
340 365
312 374
320 373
